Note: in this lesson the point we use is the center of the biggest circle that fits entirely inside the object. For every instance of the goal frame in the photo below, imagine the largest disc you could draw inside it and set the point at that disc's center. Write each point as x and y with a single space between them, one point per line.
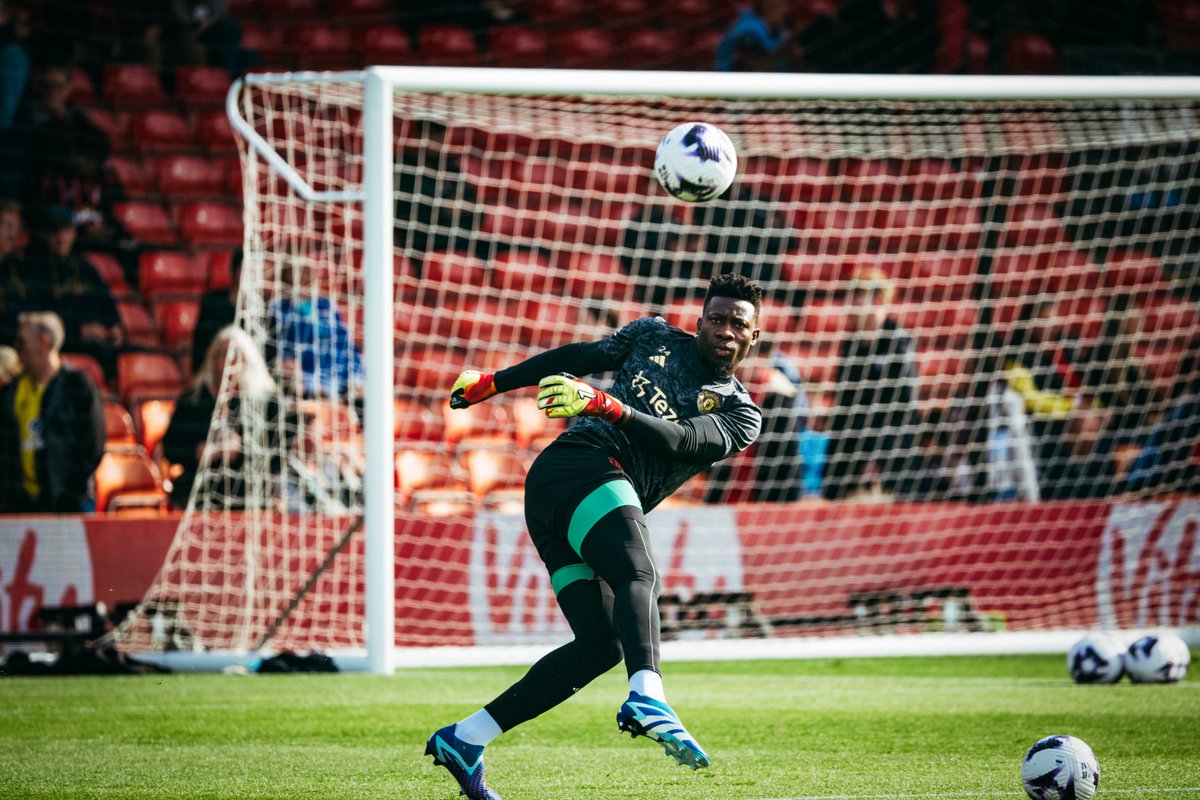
379 86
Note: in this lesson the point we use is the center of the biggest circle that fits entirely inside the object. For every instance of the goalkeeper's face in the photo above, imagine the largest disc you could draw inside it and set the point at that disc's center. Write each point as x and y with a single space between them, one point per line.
726 332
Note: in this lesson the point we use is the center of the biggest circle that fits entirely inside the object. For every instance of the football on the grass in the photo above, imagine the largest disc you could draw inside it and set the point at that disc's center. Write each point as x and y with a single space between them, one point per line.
1060 768
695 162
1096 658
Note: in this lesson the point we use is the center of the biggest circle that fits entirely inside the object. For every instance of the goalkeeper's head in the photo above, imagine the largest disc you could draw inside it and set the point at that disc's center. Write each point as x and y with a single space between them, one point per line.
728 328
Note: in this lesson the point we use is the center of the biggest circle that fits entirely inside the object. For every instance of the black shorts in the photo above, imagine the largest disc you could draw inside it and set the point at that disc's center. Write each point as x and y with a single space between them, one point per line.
563 477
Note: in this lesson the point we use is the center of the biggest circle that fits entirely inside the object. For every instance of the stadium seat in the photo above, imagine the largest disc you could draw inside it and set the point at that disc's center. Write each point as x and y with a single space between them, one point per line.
268 41
176 322
151 418
386 44
133 86
119 434
552 14
936 179
128 480
530 424
824 320
140 328
186 177
213 132
867 180
452 273
88 365
201 87
169 272
447 45
620 16
83 91
147 374
496 476
1131 267
416 420
360 11
651 48
1030 53
429 480
527 272
146 222
583 48
320 47
1174 321
942 373
132 176
111 272
597 275
518 46
113 124
209 224
161 131
698 48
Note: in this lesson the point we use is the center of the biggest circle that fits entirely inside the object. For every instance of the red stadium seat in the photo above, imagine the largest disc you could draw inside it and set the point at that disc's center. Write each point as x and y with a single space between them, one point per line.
166 272
527 272
202 87
386 44
140 328
151 418
651 48
1030 53
119 434
177 322
320 47
184 177
558 13
1131 268
268 41
147 374
148 223
598 275
114 125
431 481
128 480
356 11
495 475
133 86
131 175
518 46
583 48
870 179
214 133
698 48
89 366
111 272
158 131
621 15
454 273
447 45
210 224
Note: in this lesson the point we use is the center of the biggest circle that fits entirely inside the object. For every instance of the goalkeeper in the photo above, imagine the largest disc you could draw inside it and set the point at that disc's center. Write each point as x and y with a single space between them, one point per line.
673 410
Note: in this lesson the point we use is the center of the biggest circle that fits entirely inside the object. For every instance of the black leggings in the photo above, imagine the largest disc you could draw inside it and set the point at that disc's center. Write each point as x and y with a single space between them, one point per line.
612 614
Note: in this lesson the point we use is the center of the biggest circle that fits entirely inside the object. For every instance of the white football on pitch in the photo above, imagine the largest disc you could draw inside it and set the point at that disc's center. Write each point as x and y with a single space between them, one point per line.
1158 658
1096 658
1060 768
695 162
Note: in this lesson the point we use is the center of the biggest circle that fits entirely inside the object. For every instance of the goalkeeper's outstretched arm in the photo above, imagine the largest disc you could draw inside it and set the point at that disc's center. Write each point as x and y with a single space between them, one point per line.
577 358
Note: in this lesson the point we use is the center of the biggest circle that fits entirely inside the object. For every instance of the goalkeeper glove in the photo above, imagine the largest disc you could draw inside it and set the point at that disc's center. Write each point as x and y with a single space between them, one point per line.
472 387
567 396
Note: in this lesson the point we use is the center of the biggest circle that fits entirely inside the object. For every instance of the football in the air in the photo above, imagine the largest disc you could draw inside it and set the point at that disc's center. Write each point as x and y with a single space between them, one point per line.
1060 768
1159 658
695 162
1096 658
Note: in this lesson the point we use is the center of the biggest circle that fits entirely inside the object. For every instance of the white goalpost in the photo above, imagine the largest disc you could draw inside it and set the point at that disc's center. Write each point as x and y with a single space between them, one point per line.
1017 463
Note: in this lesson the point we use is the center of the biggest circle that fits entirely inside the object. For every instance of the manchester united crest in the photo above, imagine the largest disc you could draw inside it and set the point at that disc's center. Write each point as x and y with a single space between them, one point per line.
708 402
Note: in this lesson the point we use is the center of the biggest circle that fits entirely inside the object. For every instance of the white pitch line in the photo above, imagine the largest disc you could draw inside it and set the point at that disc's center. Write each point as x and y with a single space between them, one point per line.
962 794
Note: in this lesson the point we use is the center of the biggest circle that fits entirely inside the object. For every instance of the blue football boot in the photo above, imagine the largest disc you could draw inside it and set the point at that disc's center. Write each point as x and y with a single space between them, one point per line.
464 761
654 719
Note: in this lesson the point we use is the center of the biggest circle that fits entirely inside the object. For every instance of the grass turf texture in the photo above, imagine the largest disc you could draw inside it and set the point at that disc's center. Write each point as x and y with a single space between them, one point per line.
903 727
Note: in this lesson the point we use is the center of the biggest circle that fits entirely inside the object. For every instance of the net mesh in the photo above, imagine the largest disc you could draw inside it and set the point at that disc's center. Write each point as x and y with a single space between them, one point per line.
977 369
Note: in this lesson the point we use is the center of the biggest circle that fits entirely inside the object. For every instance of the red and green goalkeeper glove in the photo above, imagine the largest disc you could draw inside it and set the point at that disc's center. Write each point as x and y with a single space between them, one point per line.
567 396
472 387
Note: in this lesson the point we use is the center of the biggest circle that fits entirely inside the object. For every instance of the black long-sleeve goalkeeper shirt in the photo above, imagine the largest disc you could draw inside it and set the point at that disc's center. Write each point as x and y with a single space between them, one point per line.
684 416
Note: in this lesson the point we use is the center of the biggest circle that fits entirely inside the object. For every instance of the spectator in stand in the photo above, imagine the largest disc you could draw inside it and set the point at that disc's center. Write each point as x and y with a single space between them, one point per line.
874 420
778 473
759 40
315 352
10 365
15 63
15 294
1167 462
51 426
186 442
1065 422
873 36
218 308
210 33
66 165
65 282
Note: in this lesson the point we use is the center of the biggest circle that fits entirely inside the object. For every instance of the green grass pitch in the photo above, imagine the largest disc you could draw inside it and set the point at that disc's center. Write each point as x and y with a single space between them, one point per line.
863 728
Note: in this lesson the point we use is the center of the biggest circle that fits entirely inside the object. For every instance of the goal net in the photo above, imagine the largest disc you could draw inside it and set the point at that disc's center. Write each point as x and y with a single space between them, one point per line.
977 366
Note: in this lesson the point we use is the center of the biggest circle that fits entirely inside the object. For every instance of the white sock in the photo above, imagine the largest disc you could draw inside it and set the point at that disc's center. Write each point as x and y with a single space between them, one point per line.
647 683
479 728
